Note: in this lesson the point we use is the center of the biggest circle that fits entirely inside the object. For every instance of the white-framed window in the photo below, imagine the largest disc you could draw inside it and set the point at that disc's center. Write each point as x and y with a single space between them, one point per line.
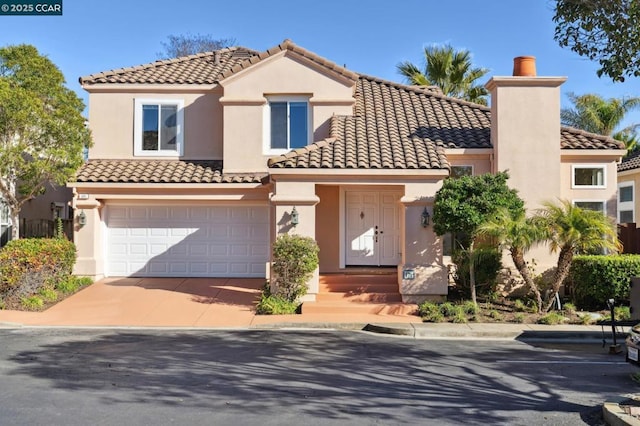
5 224
287 124
588 176
159 127
459 171
595 205
626 202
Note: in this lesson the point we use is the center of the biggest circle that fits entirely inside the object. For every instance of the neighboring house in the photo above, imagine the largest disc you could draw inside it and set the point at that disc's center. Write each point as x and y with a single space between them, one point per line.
200 162
628 181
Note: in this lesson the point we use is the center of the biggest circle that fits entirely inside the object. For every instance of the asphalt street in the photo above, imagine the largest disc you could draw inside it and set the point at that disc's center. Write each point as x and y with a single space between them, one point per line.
314 377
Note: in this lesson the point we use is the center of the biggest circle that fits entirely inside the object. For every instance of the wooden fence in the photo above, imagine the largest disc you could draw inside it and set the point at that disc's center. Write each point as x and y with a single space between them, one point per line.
629 237
43 228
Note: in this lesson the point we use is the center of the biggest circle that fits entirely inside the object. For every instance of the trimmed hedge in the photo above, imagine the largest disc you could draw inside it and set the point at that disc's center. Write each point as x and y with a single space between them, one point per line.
595 279
28 264
294 259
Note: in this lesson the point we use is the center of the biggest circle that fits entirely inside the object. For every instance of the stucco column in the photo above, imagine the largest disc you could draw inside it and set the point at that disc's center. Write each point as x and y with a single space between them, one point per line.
422 274
302 196
88 239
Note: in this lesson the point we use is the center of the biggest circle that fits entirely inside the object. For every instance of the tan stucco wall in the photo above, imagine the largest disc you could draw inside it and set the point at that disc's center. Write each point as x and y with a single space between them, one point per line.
525 133
245 99
111 120
607 194
40 207
327 227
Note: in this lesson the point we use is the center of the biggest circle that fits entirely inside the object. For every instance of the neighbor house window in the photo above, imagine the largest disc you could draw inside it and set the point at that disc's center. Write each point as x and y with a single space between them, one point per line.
5 224
459 171
626 206
597 206
158 127
588 176
288 124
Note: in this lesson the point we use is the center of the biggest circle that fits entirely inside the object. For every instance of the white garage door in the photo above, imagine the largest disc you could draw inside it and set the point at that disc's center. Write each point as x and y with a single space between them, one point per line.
187 241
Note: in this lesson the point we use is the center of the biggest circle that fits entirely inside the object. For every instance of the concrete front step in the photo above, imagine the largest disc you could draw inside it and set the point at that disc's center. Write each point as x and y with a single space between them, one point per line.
369 297
328 308
358 288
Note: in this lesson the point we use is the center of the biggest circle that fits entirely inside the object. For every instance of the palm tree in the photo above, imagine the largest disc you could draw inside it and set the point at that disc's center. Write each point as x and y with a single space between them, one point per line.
518 234
449 69
595 114
571 230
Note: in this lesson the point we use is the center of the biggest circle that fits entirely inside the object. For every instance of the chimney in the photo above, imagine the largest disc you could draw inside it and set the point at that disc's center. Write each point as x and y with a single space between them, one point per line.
525 130
524 66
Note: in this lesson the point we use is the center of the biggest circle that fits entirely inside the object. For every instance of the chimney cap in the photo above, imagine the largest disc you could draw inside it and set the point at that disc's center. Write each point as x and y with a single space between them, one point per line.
524 66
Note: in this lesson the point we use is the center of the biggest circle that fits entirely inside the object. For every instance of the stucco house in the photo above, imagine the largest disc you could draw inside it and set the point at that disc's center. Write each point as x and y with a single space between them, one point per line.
200 162
628 182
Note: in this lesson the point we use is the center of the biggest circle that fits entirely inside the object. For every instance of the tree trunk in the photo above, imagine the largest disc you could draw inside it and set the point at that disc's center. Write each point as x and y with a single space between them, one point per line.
521 266
472 275
15 223
562 271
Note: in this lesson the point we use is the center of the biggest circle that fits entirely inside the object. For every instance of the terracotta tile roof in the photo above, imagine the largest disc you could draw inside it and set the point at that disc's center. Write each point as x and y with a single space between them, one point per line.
571 138
202 68
395 127
631 162
292 47
160 171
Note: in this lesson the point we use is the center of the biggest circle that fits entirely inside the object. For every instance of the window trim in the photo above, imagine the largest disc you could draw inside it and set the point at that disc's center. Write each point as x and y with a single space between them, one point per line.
604 204
626 205
603 167
137 128
266 121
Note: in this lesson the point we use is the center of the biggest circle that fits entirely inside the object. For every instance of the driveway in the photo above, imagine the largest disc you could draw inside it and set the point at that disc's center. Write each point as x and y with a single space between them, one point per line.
173 302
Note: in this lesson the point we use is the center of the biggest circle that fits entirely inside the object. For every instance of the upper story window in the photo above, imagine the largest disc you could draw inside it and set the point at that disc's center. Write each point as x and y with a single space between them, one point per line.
588 176
289 124
597 206
626 204
158 126
459 171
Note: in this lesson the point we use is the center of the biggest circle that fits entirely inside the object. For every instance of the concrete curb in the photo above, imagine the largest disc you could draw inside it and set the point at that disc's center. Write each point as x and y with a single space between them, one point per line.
614 415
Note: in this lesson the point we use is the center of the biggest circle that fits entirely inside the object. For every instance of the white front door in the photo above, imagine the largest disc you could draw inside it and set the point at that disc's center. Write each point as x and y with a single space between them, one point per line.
372 228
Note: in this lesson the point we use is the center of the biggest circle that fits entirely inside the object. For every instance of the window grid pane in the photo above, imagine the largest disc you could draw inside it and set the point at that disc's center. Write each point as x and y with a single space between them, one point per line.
279 132
298 124
150 118
169 127
597 206
459 171
589 176
626 194
626 216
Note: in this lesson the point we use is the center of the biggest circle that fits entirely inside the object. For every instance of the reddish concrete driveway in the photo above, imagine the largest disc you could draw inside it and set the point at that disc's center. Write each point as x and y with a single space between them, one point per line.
173 302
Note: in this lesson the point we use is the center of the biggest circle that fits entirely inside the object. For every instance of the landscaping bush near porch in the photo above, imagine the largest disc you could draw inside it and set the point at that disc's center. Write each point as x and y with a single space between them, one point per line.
36 272
595 279
295 258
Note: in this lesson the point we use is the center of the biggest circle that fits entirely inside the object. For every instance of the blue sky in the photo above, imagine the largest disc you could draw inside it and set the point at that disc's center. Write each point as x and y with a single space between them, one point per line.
370 37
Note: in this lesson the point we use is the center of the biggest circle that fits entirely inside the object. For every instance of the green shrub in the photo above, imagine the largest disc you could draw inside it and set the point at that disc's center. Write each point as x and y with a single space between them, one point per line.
489 262
428 308
552 318
274 305
518 317
519 306
460 317
470 308
570 308
294 260
595 279
28 264
448 309
32 303
48 294
72 284
622 313
495 315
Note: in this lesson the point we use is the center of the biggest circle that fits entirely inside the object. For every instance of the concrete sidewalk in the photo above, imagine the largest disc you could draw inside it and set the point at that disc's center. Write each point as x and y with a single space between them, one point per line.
229 303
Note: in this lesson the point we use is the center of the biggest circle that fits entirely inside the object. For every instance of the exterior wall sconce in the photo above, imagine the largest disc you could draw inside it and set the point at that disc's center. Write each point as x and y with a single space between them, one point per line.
82 218
295 216
425 218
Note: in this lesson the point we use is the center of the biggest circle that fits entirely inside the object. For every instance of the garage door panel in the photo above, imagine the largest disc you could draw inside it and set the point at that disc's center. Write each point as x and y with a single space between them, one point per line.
187 241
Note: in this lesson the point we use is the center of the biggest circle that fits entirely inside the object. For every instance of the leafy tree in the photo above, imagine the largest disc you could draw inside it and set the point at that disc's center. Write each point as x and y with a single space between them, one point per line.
449 69
518 234
573 230
602 30
42 131
463 204
190 44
